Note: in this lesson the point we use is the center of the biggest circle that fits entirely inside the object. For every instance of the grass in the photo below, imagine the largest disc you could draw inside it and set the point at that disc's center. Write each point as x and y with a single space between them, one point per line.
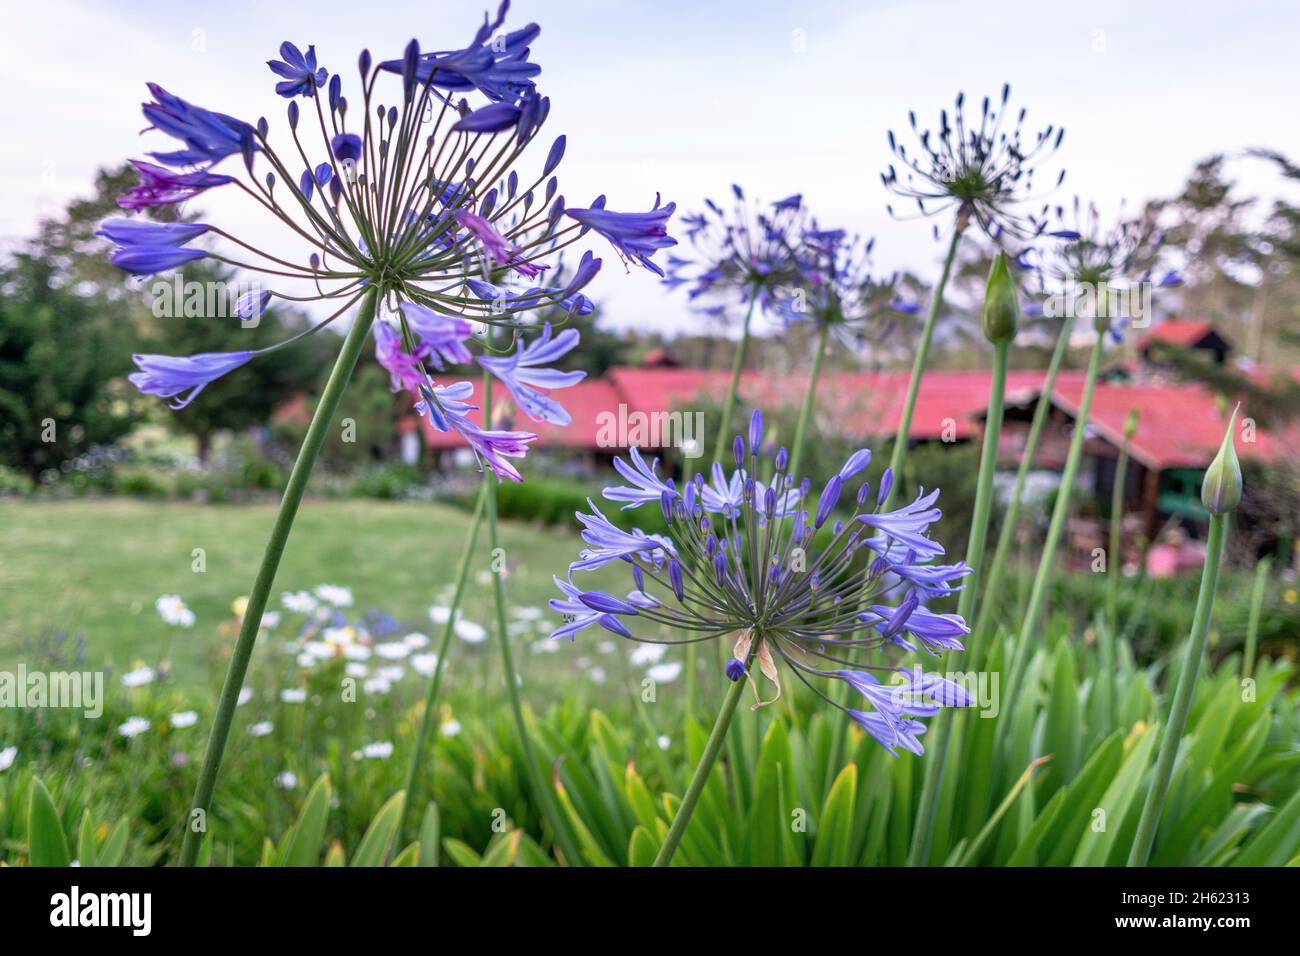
94 567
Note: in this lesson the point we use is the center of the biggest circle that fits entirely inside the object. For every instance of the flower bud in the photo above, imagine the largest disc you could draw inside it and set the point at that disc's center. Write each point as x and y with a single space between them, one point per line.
1221 488
1131 424
1001 310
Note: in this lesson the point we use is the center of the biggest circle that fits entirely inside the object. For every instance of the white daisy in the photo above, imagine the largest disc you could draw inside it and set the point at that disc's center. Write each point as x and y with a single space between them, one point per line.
245 695
393 650
287 780
645 654
261 729
353 669
139 677
185 718
471 633
293 695
663 742
377 686
173 611
665 673
440 614
133 727
415 640
297 602
7 757
334 594
425 664
450 728
379 750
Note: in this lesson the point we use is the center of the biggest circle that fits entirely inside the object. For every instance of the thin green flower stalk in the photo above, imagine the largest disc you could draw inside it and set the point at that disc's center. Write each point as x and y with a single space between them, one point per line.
1011 519
1114 560
729 402
252 621
435 682
1059 513
898 458
546 802
1220 493
701 775
1256 608
809 400
1000 321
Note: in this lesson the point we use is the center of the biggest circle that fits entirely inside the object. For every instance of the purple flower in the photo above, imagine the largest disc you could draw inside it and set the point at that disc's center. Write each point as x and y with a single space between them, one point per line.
446 408
499 69
403 368
445 335
523 375
606 543
147 260
168 375
891 732
145 232
908 525
301 77
579 615
208 137
937 632
646 483
346 148
162 187
771 589
493 118
635 235
495 246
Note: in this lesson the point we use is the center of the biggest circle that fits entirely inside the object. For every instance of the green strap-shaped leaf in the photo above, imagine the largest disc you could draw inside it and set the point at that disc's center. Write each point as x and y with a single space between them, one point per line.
374 845
46 843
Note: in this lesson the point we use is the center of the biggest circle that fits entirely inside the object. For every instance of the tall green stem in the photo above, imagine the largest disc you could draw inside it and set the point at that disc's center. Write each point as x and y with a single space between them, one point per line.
1252 623
809 401
545 797
938 736
1011 519
252 622
1144 838
1115 559
899 457
435 682
729 403
1059 513
701 775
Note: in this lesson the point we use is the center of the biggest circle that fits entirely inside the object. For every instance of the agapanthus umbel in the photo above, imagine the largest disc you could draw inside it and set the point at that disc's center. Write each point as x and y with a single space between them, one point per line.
416 197
985 169
747 252
786 585
1081 258
837 288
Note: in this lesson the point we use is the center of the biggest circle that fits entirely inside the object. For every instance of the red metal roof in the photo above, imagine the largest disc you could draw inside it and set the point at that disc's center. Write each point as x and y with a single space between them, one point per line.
1180 424
1177 332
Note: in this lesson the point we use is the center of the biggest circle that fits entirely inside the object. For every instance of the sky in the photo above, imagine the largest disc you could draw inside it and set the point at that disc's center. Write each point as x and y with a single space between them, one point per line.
682 97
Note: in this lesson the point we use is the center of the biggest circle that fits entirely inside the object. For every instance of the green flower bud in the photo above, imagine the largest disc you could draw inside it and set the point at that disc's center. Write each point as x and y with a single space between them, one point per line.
1221 489
1131 425
1001 308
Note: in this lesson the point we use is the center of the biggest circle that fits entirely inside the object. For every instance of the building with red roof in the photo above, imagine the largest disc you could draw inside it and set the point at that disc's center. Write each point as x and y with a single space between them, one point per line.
1179 430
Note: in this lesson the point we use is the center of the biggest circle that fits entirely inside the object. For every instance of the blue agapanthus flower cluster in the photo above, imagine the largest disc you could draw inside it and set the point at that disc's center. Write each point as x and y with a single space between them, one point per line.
747 252
784 582
985 169
837 288
1083 256
416 198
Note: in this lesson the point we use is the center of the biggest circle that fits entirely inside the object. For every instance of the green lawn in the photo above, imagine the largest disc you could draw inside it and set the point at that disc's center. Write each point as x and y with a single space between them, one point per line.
94 567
